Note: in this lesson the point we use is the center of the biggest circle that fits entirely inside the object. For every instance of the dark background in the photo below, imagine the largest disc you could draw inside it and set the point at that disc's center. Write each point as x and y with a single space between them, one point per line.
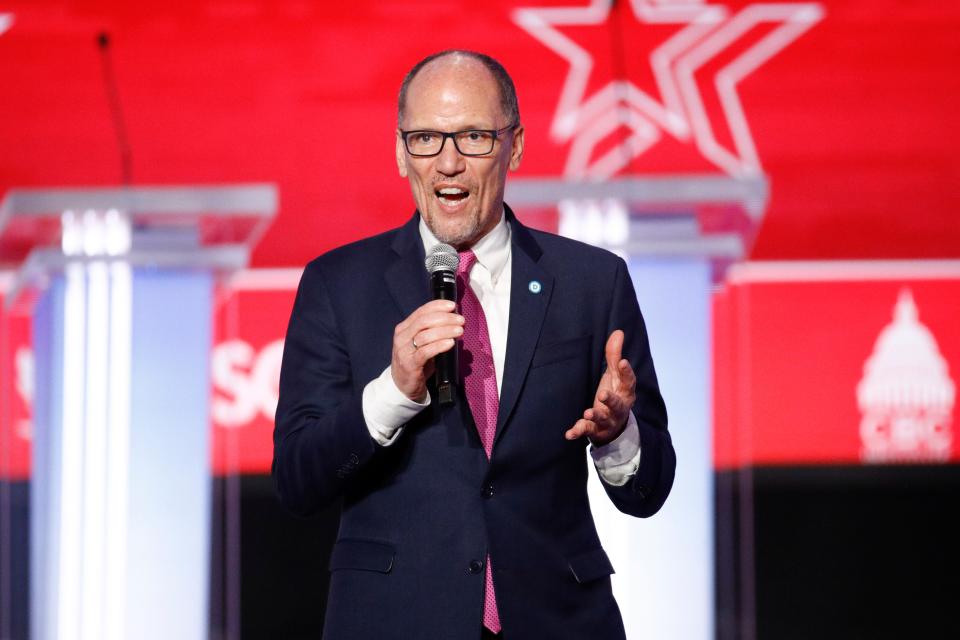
837 552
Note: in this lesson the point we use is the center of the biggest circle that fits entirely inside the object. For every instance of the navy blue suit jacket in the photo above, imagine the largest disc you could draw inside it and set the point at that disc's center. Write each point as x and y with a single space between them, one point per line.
420 516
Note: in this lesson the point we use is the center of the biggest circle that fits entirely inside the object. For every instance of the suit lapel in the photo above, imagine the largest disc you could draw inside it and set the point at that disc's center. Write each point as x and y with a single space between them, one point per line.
528 308
406 276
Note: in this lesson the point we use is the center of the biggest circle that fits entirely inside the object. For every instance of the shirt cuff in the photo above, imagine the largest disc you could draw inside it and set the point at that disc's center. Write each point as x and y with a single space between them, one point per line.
386 409
618 461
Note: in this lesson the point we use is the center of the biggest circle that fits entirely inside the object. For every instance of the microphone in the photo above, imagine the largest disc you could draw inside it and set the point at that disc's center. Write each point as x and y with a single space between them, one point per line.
442 263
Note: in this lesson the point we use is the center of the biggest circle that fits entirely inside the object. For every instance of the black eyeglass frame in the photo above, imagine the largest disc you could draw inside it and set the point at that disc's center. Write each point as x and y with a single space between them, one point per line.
494 133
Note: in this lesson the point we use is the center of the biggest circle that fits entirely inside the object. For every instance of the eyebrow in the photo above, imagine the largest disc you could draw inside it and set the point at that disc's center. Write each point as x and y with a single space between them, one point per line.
470 127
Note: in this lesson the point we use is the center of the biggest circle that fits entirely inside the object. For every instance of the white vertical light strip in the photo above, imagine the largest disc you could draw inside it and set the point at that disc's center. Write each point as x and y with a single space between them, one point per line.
95 447
118 425
71 444
95 429
97 325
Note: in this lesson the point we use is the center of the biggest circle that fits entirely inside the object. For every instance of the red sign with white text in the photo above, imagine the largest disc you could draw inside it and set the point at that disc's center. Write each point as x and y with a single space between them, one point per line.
814 363
831 363
251 321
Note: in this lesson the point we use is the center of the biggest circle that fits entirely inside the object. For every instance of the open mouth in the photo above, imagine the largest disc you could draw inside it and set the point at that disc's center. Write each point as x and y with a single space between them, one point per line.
452 196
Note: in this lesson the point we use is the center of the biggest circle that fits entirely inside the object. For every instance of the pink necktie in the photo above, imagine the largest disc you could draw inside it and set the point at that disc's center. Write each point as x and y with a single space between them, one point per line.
480 383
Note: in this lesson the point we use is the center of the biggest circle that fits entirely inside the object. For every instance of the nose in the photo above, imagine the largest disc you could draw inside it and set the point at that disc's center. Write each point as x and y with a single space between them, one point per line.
450 162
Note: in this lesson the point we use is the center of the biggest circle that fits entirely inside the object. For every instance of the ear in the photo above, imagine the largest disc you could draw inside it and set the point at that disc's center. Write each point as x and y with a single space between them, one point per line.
401 156
516 152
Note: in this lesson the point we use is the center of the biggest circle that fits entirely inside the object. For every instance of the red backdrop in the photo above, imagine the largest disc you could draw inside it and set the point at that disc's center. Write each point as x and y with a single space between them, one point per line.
852 121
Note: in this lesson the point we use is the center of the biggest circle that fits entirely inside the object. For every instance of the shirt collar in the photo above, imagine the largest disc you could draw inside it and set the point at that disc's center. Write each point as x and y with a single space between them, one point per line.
492 250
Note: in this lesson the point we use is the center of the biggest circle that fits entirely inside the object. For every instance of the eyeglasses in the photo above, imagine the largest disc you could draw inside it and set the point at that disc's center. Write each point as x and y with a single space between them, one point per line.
472 142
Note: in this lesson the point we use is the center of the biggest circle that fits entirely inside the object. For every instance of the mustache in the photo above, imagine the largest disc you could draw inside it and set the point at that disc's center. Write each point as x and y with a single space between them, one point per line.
443 180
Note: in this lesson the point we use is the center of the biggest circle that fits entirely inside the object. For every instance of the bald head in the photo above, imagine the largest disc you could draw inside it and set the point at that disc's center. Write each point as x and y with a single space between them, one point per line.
464 62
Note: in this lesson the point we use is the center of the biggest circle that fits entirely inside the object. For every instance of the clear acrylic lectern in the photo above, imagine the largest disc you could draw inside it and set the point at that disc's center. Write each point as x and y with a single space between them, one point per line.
121 283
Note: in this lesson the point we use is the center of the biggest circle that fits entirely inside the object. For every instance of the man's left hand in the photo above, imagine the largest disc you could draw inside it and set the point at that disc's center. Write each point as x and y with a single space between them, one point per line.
616 393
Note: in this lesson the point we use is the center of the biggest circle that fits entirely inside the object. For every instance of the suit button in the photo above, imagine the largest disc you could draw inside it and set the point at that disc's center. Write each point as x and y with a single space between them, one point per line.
354 459
487 491
475 566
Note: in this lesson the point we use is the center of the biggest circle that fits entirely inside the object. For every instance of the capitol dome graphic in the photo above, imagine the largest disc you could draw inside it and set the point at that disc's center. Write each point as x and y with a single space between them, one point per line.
906 395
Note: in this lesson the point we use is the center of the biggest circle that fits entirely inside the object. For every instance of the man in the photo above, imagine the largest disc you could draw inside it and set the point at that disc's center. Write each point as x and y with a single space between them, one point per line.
468 520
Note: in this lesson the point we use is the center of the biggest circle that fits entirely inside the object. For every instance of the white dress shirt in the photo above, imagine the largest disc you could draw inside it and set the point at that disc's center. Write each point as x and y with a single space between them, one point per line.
386 409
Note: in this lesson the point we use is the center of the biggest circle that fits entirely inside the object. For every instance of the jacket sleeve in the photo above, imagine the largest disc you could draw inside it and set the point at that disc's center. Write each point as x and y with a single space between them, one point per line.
320 439
647 490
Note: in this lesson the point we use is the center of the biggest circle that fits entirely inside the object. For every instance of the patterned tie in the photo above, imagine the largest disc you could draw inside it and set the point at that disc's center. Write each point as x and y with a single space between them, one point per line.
480 383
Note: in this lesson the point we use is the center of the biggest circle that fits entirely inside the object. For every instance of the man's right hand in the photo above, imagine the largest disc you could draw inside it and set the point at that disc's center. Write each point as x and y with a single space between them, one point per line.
431 329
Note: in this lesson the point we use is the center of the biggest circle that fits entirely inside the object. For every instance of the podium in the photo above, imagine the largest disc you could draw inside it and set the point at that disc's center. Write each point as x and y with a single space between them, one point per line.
678 235
121 285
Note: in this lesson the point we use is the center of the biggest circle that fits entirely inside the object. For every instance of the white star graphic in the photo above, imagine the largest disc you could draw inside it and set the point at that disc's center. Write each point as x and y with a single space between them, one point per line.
709 29
6 21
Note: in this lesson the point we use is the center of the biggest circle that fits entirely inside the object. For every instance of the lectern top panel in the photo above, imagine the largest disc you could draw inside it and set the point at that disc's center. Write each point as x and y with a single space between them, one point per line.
213 216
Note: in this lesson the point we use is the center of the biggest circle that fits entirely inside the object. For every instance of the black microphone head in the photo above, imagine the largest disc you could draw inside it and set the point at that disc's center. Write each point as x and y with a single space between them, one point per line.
442 257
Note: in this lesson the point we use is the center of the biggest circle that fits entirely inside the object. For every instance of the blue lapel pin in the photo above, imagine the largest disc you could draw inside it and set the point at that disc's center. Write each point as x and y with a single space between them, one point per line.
535 286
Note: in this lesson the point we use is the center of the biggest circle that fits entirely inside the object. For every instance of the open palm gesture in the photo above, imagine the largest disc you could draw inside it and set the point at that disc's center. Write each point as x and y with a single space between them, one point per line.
616 393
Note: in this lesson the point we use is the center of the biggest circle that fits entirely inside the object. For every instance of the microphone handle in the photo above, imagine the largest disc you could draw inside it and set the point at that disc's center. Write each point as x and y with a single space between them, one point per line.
444 286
